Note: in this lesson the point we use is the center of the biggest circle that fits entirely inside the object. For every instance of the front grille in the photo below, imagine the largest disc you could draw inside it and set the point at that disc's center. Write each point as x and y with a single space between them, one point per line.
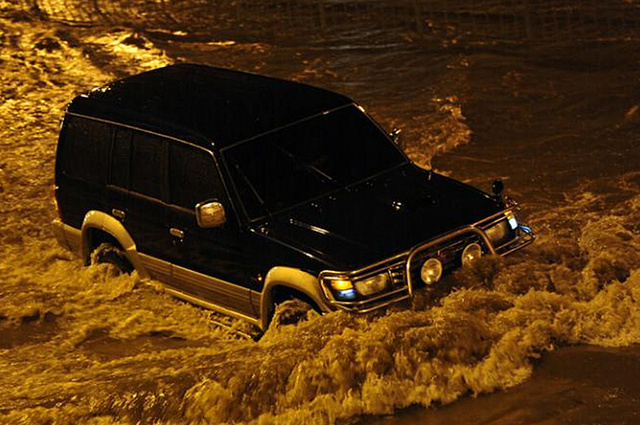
397 275
449 253
404 269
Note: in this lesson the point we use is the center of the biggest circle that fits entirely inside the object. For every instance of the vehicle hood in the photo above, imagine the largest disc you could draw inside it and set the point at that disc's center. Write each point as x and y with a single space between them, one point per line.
373 220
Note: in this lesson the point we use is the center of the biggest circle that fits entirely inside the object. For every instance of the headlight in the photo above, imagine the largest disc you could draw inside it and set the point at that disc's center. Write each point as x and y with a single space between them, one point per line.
373 284
471 252
503 231
499 233
431 271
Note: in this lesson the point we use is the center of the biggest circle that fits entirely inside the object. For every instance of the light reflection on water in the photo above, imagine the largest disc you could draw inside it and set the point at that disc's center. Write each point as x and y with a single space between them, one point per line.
80 345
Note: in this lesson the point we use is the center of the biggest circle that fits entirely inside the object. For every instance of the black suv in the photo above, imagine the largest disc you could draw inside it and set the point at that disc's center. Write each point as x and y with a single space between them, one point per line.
240 191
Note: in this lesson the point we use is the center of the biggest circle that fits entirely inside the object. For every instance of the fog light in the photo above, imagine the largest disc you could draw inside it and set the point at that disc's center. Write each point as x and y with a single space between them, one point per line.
431 271
471 253
373 284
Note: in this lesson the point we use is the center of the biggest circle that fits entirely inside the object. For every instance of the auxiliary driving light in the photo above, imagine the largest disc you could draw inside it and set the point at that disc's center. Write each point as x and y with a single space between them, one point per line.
431 271
471 253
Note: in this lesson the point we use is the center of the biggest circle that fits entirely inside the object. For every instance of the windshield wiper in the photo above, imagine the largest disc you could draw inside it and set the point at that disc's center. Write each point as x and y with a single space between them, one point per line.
314 170
252 188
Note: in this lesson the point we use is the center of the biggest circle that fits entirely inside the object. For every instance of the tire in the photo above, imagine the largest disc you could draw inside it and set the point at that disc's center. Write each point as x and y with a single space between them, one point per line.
291 312
107 253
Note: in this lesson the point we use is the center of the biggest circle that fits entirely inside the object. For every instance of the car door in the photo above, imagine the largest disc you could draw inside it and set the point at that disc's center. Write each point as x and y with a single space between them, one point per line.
136 196
207 262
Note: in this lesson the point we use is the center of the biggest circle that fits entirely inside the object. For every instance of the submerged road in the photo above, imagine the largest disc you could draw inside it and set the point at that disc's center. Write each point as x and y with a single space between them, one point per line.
547 336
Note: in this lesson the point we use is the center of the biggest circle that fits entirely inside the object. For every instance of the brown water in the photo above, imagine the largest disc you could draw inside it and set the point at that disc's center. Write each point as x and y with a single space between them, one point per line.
572 386
557 116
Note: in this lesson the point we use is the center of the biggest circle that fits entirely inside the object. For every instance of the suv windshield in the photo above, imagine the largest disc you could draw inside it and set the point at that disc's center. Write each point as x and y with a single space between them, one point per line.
308 159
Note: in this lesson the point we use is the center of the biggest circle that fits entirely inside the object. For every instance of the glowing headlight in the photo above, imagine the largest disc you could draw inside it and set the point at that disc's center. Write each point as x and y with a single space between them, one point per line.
472 252
431 271
343 288
373 284
341 284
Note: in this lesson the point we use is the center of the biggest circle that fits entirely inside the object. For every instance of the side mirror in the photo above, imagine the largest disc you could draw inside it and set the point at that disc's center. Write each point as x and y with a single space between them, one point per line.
210 214
497 188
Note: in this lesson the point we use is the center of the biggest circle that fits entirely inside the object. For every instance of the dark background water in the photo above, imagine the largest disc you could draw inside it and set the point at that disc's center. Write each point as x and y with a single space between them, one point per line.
543 94
547 89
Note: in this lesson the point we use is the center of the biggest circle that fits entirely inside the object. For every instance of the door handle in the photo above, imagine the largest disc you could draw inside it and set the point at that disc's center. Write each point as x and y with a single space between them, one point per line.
119 214
176 233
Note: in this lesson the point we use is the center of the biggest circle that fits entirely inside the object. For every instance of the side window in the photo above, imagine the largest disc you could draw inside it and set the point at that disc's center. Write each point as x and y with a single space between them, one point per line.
193 177
85 150
120 157
146 164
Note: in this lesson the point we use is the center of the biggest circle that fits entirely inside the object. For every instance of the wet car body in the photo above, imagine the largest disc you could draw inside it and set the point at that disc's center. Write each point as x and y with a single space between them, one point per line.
306 196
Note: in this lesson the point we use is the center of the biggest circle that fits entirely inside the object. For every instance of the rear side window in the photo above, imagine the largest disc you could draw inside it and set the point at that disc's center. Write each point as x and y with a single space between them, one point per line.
120 157
193 177
146 164
85 149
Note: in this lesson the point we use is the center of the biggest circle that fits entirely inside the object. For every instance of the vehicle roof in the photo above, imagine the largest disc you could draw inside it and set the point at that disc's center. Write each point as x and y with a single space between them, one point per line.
204 104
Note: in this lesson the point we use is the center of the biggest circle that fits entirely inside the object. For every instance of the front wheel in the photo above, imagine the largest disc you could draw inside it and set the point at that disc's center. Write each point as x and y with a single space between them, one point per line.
107 253
292 312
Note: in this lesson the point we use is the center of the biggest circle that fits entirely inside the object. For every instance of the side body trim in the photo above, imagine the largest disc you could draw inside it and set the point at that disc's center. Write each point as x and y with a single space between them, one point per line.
232 297
156 268
209 305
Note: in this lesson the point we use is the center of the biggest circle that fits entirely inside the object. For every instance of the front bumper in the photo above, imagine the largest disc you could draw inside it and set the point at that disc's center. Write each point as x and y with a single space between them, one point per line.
404 268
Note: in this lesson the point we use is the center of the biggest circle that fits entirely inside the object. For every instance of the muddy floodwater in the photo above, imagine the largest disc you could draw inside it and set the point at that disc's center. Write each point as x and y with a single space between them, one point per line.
542 94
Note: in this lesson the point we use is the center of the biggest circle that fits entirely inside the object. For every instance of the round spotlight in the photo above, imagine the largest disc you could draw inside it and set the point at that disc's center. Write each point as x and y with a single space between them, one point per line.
431 271
471 253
